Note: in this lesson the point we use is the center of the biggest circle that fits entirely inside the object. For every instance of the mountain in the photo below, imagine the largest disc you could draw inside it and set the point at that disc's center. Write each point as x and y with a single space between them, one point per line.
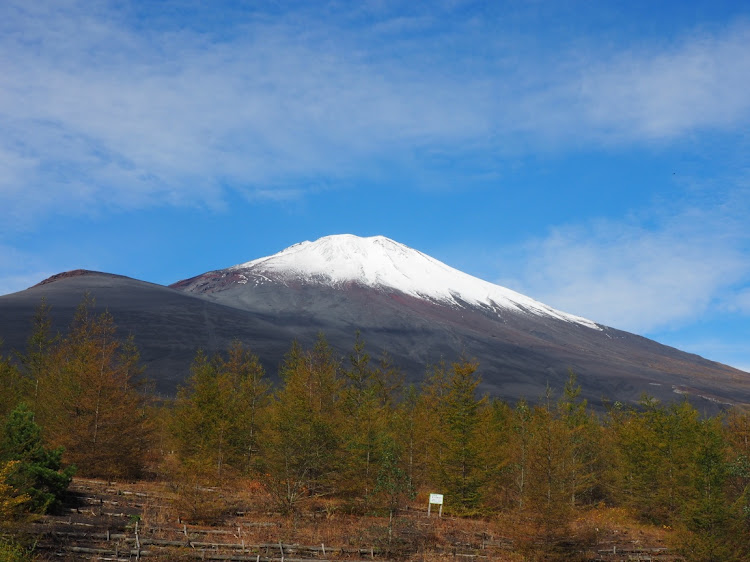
404 302
421 310
168 326
376 263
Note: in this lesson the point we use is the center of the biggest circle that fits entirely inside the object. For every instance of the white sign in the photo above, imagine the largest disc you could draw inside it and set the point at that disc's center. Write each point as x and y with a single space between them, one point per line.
436 498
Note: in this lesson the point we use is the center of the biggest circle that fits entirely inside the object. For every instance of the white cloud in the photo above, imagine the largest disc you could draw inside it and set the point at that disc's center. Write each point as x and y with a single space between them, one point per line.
701 83
96 113
641 278
654 92
101 112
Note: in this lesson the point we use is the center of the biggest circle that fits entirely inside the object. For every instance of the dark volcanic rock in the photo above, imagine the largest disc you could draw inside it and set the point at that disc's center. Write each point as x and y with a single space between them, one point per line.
519 353
168 326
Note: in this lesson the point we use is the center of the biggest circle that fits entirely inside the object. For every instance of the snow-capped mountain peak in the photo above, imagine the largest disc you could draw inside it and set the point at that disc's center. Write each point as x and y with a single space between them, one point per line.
384 264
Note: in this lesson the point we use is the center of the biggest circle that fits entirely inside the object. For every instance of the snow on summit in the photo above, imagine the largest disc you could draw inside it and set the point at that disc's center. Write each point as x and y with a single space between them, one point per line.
382 263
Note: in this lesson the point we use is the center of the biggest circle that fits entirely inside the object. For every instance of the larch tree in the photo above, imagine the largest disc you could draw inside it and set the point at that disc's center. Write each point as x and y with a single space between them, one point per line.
494 441
737 437
520 454
242 374
654 457
411 432
36 360
88 398
459 469
218 414
738 432
585 442
13 387
303 441
197 423
551 469
418 426
708 524
428 424
367 401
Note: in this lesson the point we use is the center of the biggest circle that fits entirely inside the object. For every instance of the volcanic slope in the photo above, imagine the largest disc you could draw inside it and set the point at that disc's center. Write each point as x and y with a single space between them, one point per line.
421 311
168 326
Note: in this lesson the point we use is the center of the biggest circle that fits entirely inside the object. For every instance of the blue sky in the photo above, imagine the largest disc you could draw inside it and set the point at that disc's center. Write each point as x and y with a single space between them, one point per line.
593 155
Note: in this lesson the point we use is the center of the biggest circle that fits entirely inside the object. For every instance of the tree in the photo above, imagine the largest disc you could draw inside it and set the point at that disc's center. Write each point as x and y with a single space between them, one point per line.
459 467
367 401
218 415
520 445
737 429
412 430
709 526
550 471
243 374
303 441
495 440
654 469
88 399
38 473
12 385
14 516
198 422
392 481
36 360
585 444
737 436
422 423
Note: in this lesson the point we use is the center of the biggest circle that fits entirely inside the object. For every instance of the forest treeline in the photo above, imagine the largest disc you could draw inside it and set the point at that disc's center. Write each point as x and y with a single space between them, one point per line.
349 429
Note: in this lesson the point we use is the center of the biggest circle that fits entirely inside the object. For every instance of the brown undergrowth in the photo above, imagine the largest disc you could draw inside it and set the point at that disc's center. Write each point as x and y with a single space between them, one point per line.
167 521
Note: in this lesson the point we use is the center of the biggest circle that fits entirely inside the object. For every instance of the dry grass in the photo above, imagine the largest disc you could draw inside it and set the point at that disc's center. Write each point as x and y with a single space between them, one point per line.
241 511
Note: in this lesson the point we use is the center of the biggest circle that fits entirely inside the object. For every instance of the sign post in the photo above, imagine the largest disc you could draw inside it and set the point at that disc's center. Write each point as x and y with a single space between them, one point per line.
437 499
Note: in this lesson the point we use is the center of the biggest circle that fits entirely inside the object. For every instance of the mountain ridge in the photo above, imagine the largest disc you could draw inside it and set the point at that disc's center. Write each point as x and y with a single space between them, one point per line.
521 342
521 349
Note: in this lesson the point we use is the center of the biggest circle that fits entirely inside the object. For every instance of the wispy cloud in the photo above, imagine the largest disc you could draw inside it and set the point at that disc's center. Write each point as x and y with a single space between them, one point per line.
98 110
699 83
94 110
740 302
654 271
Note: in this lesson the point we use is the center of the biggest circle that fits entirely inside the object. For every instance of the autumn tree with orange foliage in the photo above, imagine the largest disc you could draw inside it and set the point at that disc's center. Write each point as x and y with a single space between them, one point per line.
88 399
